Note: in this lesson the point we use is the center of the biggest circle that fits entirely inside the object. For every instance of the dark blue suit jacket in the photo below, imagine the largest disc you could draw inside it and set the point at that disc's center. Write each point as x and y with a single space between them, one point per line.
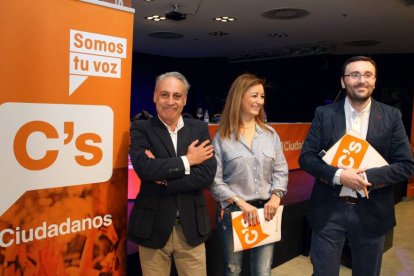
155 210
387 135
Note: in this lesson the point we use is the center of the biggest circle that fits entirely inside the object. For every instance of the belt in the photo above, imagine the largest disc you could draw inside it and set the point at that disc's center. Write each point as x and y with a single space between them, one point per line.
258 203
349 199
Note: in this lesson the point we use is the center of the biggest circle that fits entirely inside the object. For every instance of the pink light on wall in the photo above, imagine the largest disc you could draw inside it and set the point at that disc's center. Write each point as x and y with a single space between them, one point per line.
134 183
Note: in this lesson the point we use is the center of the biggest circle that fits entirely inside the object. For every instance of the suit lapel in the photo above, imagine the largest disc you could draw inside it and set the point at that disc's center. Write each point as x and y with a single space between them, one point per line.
375 119
183 139
339 123
161 131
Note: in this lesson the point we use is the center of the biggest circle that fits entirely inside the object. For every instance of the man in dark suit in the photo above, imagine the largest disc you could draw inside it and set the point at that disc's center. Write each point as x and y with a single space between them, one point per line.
339 208
174 159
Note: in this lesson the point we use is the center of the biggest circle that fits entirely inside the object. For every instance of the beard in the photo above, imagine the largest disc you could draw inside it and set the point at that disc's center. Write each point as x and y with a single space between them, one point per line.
356 96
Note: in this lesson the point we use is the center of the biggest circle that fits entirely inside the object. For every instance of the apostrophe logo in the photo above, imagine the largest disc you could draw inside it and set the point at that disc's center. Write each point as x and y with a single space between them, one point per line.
53 145
248 236
350 153
50 156
94 54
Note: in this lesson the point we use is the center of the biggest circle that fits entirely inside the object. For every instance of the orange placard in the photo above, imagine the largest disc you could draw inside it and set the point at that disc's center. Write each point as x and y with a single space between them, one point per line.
249 236
246 237
350 153
353 152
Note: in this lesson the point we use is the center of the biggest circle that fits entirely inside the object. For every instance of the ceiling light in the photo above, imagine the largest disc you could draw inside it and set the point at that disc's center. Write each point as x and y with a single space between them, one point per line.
155 18
218 33
278 35
224 19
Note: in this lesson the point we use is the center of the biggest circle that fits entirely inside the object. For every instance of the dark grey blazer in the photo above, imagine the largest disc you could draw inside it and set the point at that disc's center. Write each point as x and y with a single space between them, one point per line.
387 135
154 213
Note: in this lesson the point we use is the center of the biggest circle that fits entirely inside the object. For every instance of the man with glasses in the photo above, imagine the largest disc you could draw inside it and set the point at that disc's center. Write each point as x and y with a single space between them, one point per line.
339 208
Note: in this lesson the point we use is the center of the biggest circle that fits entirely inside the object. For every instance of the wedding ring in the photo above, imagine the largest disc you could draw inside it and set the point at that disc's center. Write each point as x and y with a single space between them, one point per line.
250 216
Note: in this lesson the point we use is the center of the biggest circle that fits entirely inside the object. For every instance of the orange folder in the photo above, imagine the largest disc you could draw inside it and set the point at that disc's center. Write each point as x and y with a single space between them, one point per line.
246 237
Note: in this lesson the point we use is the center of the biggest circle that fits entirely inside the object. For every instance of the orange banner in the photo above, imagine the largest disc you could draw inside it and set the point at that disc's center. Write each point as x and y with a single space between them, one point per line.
64 112
292 136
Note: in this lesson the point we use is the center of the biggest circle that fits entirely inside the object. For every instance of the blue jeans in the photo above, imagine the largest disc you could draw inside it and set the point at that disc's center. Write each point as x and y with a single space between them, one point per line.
326 245
260 257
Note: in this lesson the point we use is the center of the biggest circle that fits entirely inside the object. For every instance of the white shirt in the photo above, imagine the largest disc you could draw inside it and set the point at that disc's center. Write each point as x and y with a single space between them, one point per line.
174 135
359 122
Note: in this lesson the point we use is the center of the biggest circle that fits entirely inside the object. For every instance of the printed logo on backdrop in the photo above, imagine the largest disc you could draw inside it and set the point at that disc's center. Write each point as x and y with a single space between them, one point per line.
95 55
53 145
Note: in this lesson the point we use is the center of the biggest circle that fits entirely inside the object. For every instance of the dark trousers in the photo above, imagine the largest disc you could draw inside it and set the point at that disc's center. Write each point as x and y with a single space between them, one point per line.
326 245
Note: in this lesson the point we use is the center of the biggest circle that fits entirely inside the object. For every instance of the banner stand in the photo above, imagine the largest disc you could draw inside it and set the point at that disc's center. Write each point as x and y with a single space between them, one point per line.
64 128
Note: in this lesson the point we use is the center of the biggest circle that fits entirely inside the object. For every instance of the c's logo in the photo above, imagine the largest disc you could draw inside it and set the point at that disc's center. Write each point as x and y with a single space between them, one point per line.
50 155
350 153
249 236
53 145
20 141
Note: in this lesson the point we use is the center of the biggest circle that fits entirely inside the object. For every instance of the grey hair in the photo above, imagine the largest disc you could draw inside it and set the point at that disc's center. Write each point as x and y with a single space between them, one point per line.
176 75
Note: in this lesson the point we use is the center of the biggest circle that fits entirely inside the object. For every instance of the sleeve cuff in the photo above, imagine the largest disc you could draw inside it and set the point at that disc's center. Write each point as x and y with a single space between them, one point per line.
186 164
337 177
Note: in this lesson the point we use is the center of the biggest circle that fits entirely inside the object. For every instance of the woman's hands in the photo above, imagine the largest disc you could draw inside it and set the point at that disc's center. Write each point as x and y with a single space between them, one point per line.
271 206
250 214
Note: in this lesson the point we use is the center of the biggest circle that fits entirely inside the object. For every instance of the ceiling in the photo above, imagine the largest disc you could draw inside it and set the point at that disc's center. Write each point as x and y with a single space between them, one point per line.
331 27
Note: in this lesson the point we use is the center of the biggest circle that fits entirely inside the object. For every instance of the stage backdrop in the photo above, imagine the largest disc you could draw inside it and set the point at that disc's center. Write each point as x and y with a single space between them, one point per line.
64 120
292 136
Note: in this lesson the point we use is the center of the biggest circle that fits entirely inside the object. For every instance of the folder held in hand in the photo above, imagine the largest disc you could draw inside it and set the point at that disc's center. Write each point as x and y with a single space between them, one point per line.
351 151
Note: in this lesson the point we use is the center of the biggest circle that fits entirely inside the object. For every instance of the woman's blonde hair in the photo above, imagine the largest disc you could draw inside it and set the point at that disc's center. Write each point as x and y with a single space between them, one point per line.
231 120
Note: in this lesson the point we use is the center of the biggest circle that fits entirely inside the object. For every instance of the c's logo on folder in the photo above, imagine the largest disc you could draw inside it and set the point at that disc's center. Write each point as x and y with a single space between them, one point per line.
248 236
350 153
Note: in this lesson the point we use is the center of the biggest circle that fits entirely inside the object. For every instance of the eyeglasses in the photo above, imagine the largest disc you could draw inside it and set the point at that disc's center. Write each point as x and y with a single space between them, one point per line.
357 75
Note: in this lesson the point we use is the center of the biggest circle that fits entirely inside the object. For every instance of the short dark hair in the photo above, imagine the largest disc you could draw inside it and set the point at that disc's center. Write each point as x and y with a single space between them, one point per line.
358 58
